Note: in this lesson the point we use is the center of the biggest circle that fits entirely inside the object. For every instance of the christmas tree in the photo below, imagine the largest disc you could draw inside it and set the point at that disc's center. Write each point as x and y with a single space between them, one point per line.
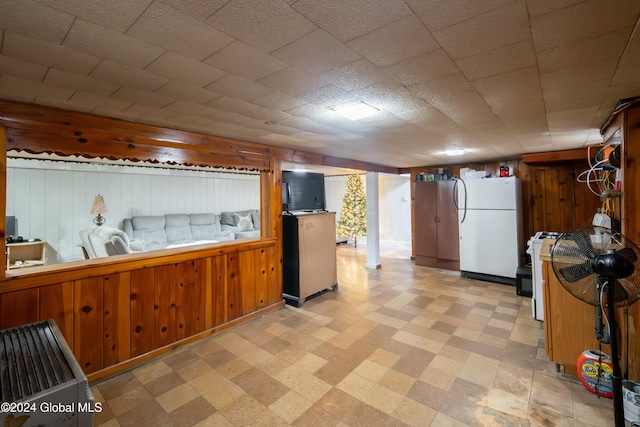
353 218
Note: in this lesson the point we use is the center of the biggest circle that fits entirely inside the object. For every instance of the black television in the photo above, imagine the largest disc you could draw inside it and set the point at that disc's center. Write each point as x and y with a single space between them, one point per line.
304 191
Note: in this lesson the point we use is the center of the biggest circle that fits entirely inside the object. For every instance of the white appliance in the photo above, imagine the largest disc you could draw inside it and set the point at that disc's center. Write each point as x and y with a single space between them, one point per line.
534 249
490 223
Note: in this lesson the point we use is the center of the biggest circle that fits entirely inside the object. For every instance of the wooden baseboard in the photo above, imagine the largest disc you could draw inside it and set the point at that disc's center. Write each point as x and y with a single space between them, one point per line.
445 264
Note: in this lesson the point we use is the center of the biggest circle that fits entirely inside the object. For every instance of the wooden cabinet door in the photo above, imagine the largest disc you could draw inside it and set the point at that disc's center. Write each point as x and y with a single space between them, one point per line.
425 217
447 220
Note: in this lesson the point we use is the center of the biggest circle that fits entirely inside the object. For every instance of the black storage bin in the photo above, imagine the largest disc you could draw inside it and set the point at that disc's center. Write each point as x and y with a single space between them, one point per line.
523 281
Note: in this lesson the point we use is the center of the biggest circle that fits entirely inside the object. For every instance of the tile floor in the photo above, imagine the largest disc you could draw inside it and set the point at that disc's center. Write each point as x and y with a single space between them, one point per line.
402 345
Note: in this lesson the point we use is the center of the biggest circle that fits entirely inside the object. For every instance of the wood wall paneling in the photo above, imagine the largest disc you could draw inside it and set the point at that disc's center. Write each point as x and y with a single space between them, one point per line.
234 287
261 278
18 308
117 318
164 315
247 264
142 301
88 321
56 302
188 315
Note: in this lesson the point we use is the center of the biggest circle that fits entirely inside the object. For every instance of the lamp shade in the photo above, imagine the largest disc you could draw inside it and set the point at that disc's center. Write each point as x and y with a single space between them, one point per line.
98 205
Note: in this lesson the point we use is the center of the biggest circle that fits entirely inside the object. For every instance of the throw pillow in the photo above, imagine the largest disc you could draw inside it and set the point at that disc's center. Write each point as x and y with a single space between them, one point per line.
245 223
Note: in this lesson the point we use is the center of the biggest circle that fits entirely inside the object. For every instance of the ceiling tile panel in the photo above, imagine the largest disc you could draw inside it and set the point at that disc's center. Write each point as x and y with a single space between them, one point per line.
199 9
516 98
106 43
498 61
135 96
128 76
316 53
267 115
10 94
348 19
542 7
91 100
116 14
234 58
396 42
583 53
163 26
265 24
34 89
145 112
80 82
329 96
293 81
23 69
431 65
356 75
185 70
186 92
455 97
582 21
498 28
47 54
238 87
279 101
440 14
32 19
233 105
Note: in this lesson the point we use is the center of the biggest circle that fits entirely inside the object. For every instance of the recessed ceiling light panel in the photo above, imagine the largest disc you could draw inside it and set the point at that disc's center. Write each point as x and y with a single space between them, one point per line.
356 111
454 152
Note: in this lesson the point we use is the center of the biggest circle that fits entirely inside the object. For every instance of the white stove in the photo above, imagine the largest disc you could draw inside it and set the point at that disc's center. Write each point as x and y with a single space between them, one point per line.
535 246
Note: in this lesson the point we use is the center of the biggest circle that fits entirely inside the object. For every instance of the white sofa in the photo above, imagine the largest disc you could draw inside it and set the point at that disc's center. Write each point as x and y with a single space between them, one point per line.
176 230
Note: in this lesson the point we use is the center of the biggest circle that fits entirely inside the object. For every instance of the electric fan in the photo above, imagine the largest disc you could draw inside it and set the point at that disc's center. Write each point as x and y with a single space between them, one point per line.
600 267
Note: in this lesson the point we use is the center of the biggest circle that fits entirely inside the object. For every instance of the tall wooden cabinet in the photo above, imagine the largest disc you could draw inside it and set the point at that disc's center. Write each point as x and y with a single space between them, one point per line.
436 225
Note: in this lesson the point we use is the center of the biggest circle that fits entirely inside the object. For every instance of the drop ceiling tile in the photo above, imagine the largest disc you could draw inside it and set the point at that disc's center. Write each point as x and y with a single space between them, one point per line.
455 97
145 111
136 96
348 19
293 81
498 61
264 24
238 87
583 20
631 54
396 42
279 101
313 112
116 14
64 104
23 69
183 107
583 53
188 93
30 88
232 105
498 28
32 19
356 75
128 76
199 9
234 58
106 43
47 54
421 68
627 76
80 82
267 115
91 100
185 70
437 15
542 7
329 96
316 53
567 90
9 94
163 26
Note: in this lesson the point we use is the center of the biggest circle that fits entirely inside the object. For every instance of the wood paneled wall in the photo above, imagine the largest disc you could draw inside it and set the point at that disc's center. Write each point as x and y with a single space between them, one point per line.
112 313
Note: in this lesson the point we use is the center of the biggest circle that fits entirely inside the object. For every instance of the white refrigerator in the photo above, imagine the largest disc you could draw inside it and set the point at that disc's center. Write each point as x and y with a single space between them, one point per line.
490 224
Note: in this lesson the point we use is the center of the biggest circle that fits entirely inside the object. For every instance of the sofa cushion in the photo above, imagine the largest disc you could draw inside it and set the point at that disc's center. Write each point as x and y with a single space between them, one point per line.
177 228
150 229
231 218
204 226
245 222
255 215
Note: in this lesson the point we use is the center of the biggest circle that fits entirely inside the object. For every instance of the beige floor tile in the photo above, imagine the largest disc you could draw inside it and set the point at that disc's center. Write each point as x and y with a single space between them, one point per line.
290 406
